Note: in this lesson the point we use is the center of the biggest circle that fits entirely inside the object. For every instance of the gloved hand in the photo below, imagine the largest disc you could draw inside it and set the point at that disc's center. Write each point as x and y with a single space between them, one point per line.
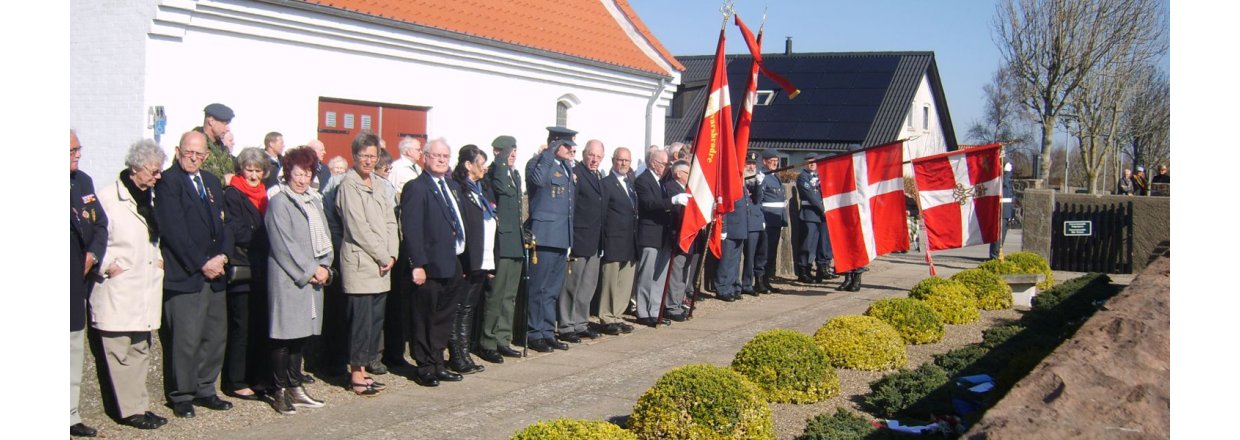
723 236
681 199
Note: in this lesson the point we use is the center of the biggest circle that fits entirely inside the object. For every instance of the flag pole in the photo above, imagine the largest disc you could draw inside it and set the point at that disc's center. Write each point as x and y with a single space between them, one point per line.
922 235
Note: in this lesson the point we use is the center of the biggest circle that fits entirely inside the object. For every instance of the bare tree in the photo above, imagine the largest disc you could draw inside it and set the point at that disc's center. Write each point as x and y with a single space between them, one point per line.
1052 46
1147 120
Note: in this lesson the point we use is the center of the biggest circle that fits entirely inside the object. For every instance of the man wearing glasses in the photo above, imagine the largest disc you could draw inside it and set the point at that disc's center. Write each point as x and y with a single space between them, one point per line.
191 218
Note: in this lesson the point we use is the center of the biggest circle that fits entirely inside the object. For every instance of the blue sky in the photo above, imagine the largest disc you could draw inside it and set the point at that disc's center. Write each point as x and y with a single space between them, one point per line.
959 33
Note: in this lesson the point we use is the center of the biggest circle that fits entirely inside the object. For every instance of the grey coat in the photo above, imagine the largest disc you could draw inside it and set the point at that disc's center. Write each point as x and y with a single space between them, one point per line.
296 306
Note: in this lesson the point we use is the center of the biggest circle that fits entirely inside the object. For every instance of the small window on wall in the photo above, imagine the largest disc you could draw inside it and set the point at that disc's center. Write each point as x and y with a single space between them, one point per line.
764 97
365 122
561 114
348 120
330 119
925 118
909 120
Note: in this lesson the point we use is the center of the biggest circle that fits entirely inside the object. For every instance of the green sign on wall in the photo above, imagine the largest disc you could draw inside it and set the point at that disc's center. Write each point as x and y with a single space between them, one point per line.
1078 228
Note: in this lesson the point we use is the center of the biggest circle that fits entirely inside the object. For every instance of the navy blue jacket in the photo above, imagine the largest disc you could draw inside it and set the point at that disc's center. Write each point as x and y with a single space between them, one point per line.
619 221
654 211
426 229
588 213
810 192
551 192
773 192
88 232
191 230
736 223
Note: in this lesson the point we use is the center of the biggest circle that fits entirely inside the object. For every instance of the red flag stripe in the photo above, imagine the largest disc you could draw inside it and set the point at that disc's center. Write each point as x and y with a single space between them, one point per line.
960 194
864 201
713 177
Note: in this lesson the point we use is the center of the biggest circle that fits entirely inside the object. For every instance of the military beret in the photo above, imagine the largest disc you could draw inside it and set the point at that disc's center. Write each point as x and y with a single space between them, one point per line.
504 141
560 134
769 154
219 111
751 156
811 156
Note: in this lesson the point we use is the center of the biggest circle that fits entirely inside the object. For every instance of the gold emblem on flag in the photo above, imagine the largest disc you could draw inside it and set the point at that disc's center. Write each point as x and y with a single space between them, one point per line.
963 194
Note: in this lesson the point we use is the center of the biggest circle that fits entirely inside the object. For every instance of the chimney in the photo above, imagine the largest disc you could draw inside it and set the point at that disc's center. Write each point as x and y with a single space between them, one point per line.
788 46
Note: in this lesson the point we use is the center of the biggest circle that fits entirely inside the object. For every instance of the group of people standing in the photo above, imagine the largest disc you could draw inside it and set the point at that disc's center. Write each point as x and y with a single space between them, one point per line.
239 261
1131 183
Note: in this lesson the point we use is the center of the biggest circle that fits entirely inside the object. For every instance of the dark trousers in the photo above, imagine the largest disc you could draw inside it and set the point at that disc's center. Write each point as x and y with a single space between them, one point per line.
727 279
329 352
397 314
286 362
193 335
245 356
994 247
753 245
546 282
817 246
434 308
768 254
365 324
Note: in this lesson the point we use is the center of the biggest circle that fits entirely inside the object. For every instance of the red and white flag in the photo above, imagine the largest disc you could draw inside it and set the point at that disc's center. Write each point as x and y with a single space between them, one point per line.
714 176
863 199
960 195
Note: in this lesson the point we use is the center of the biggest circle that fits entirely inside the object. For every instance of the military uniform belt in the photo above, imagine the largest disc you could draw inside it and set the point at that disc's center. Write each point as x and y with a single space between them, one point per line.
1006 200
774 204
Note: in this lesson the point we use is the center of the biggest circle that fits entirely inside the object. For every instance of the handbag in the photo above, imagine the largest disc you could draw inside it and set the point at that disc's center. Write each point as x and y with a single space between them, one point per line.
238 274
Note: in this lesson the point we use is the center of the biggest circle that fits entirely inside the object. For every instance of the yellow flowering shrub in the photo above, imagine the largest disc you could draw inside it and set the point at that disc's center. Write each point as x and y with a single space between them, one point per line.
704 402
916 321
862 343
788 366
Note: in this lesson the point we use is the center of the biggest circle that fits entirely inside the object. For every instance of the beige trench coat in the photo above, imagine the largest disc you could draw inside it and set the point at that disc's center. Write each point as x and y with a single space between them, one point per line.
133 300
368 220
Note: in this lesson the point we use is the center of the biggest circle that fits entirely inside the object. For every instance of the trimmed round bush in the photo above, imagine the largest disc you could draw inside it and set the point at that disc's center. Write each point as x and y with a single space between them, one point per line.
991 291
923 287
917 322
788 366
702 402
842 425
997 267
862 343
570 429
953 302
1029 262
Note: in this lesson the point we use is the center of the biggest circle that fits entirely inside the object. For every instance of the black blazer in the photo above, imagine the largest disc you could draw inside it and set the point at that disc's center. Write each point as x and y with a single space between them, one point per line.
653 210
428 238
250 245
587 213
88 232
475 231
676 216
619 222
191 230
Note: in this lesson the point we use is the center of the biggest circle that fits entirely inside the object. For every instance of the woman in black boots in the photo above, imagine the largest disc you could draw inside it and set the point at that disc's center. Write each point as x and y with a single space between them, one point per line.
479 257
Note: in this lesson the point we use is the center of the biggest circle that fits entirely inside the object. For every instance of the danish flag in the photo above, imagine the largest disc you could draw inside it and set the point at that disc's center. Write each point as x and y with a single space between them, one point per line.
863 200
714 177
960 194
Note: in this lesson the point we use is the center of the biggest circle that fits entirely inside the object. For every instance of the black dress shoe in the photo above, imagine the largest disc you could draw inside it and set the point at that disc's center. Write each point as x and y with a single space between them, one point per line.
140 421
447 376
558 345
80 430
625 327
728 298
508 351
306 378
376 367
587 333
678 317
162 421
750 292
569 337
491 356
611 329
649 322
183 410
539 345
213 402
758 287
426 380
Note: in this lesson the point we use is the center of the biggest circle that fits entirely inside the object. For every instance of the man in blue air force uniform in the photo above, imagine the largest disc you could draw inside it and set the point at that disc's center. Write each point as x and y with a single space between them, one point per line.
549 178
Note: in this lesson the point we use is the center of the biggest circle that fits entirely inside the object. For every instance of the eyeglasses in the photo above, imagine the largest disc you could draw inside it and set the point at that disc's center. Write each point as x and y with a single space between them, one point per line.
367 157
439 156
197 154
153 171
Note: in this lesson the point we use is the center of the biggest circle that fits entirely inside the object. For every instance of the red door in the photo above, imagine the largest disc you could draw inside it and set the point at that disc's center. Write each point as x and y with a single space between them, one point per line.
342 120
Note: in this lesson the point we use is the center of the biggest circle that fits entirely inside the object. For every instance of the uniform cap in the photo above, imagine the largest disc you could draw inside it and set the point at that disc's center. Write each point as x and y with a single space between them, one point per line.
562 134
751 157
769 154
504 141
219 111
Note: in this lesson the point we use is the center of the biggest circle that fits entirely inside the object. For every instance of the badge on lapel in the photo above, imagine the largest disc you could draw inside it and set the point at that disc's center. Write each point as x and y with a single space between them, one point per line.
88 199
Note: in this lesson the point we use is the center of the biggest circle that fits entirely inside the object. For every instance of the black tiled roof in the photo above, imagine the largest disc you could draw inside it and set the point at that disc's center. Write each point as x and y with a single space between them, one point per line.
847 98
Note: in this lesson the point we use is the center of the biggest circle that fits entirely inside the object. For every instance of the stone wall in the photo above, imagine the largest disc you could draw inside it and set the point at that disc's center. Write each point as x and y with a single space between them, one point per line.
1151 222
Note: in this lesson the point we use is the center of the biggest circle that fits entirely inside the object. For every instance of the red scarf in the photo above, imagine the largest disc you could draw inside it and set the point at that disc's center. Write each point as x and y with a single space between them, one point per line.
257 194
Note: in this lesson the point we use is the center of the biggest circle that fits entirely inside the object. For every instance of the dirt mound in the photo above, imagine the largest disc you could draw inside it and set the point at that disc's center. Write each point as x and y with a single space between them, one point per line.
1110 380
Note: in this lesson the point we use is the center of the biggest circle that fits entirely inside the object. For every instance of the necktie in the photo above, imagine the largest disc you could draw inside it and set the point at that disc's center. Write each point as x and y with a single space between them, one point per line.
632 195
456 225
202 191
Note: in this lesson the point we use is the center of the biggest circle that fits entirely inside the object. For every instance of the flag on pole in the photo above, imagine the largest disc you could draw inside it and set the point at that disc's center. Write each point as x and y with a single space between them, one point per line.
755 49
714 177
751 96
863 200
960 195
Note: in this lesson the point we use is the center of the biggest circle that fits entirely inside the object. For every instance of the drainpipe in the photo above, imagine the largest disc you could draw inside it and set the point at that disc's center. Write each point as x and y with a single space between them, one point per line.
650 112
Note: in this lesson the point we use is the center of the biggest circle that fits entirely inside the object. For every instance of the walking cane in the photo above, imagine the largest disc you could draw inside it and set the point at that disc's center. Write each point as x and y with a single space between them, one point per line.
525 278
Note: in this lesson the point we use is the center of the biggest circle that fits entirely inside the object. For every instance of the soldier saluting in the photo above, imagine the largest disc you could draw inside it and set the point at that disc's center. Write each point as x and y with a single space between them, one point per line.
549 178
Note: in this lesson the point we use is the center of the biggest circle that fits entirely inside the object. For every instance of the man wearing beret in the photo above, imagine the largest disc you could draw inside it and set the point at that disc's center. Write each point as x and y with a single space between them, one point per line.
773 202
505 182
549 177
215 120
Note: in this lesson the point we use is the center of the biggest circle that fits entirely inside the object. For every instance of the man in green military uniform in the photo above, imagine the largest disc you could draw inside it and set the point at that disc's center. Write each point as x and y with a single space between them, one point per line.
505 181
215 120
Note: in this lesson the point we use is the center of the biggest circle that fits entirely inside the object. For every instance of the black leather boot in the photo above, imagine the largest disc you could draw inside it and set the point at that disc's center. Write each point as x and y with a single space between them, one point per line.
769 287
803 275
855 284
848 277
467 337
458 354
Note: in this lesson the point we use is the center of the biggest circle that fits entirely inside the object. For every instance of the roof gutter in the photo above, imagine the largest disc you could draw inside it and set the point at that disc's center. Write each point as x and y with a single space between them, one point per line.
654 98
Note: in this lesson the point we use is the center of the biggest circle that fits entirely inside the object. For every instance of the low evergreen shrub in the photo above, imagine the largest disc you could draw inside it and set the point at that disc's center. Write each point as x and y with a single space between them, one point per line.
569 429
954 303
994 336
917 322
702 402
897 391
862 343
955 361
788 366
991 291
842 425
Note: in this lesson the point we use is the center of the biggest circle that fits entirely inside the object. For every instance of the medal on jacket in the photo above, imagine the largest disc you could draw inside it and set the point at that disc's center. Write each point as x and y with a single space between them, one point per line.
87 199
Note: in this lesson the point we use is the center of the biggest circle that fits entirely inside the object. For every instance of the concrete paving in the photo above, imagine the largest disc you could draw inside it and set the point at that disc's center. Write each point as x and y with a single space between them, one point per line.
599 379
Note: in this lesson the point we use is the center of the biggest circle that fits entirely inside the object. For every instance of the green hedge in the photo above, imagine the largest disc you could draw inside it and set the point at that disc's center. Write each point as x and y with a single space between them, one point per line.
923 287
569 429
917 322
897 391
788 366
702 402
1029 262
843 425
862 343
991 291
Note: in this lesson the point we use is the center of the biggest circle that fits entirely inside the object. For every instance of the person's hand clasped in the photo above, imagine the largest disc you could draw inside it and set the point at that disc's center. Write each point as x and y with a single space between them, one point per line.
114 269
419 276
387 267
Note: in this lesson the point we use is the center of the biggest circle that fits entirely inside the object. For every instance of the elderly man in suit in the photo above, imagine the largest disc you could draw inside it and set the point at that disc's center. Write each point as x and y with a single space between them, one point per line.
505 182
654 209
549 178
433 237
619 243
583 259
684 263
88 240
190 213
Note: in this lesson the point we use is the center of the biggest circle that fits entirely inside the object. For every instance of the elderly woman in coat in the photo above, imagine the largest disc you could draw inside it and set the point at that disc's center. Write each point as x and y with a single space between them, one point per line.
245 204
127 298
368 252
298 266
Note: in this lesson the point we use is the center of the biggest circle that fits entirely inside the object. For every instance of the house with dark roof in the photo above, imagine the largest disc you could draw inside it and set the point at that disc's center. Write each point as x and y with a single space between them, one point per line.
848 100
464 70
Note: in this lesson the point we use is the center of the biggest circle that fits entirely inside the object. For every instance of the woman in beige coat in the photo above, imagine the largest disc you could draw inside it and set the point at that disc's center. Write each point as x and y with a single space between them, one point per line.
367 254
127 299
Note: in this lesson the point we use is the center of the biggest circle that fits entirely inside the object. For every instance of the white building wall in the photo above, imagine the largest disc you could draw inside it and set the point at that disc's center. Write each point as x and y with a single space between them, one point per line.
924 139
271 65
